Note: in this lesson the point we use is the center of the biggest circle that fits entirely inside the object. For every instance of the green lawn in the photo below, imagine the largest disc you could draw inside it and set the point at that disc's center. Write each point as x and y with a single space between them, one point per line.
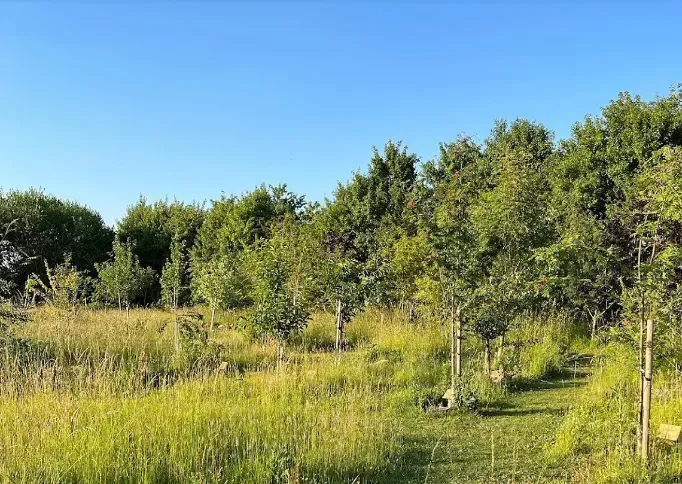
506 443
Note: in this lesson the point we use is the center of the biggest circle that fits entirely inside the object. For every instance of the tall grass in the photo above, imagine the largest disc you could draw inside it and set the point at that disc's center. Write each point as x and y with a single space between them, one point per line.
98 397
601 429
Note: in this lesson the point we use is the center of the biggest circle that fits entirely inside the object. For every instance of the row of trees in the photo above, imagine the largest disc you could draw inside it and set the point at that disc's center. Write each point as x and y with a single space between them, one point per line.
475 236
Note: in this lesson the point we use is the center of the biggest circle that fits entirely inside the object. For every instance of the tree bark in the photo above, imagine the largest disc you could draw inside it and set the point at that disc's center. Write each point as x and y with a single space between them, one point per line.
498 359
486 358
646 407
212 315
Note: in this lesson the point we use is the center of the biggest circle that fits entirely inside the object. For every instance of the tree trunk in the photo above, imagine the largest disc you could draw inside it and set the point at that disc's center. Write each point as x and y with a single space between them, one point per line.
486 358
498 359
642 316
413 315
339 325
595 317
127 313
646 407
212 315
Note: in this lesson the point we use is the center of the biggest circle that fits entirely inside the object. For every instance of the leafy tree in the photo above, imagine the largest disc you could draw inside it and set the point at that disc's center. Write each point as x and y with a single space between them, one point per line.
237 223
510 221
153 227
65 289
46 228
173 279
277 310
122 278
11 261
222 283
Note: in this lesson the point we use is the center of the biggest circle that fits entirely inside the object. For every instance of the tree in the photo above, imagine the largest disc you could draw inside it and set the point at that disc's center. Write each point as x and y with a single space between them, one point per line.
153 227
122 277
65 288
47 228
173 285
11 261
221 282
510 222
277 312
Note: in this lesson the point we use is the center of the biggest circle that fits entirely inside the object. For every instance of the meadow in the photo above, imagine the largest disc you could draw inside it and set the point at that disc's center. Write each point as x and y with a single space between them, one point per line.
94 396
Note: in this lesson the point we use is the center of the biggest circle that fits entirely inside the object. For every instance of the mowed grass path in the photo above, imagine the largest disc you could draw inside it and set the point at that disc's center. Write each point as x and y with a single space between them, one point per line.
507 443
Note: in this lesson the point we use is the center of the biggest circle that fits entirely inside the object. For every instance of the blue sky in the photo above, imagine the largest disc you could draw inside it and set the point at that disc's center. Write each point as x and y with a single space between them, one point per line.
103 101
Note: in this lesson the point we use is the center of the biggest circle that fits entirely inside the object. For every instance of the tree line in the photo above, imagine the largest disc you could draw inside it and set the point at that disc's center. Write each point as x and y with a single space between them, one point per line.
474 237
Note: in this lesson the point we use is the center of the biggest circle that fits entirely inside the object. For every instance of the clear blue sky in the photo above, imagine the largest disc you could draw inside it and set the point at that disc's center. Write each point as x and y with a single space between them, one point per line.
102 103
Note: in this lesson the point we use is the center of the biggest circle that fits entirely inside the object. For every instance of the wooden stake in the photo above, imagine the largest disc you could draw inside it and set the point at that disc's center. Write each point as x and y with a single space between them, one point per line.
646 407
339 325
453 347
458 344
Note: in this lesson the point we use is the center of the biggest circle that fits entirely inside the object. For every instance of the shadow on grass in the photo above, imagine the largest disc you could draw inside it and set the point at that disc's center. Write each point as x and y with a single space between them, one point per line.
511 412
412 465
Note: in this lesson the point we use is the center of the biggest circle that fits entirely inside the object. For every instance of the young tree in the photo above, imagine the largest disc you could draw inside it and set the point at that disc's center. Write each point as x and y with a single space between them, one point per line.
277 311
173 285
653 212
122 277
65 288
221 282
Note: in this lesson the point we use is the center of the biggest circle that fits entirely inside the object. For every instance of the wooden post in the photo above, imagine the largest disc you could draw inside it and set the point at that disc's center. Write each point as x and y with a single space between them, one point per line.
339 325
453 347
646 407
458 343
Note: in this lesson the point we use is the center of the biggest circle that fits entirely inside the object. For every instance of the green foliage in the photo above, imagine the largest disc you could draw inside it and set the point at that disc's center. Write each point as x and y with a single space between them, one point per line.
66 287
46 229
122 279
221 282
278 310
174 275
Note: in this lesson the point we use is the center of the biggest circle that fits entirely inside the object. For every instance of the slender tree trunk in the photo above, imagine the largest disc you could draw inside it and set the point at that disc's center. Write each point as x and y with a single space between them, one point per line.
646 408
594 323
486 358
212 316
642 316
498 359
339 325
413 315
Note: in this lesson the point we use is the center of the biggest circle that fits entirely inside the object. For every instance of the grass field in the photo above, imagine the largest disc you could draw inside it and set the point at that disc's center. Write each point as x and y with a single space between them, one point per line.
98 397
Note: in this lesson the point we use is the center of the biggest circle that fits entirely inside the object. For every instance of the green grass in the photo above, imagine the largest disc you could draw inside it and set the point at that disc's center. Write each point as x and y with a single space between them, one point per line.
97 397
507 442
